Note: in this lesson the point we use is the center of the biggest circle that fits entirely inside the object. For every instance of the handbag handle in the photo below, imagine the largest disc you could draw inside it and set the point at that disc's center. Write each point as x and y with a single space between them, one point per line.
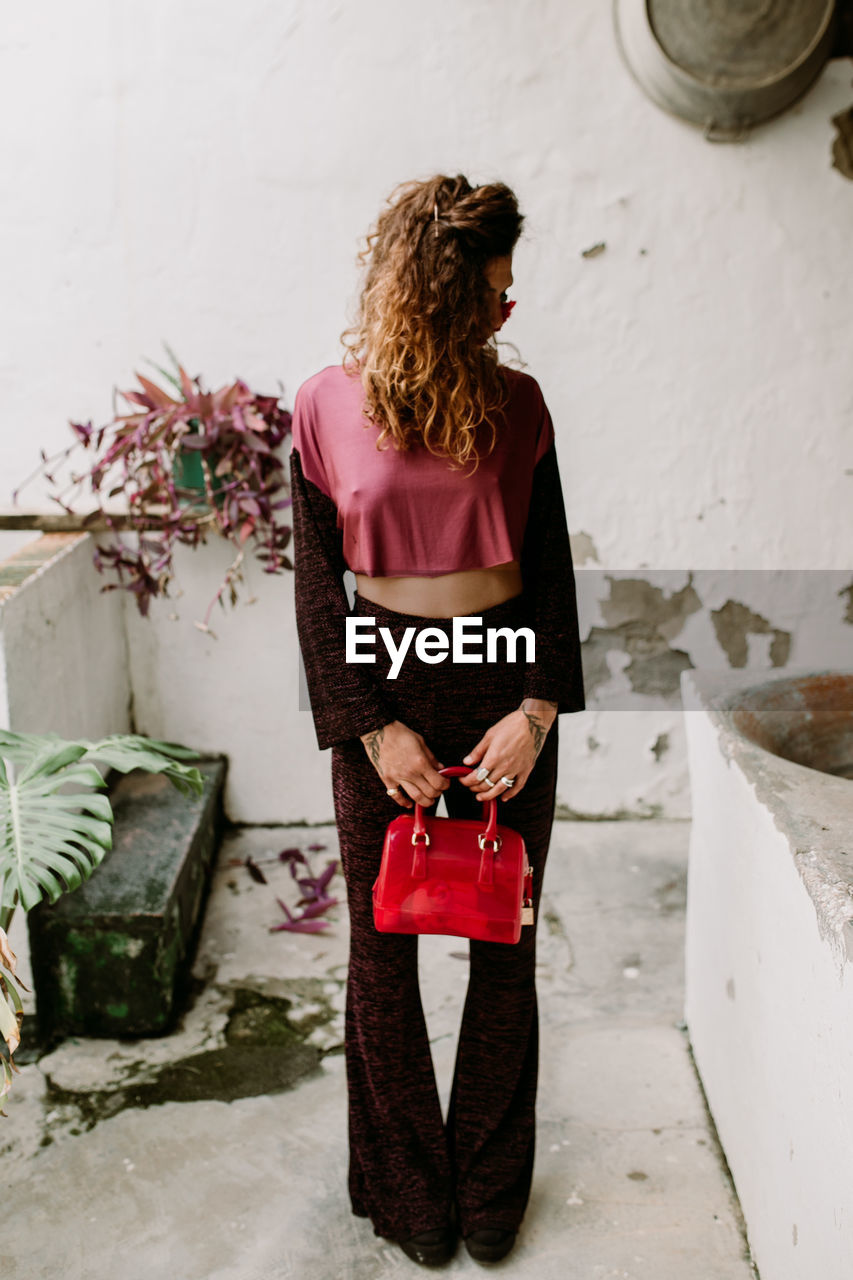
488 840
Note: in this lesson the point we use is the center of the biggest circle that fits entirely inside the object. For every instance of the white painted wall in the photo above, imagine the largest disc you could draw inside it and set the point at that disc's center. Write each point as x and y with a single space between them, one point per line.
769 1007
236 693
202 174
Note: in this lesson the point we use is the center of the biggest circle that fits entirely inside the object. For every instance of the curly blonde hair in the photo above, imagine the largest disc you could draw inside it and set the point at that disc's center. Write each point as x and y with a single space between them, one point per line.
422 342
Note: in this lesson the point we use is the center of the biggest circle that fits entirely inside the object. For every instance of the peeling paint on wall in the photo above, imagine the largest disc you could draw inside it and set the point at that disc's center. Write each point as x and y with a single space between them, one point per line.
734 622
583 548
654 668
635 599
643 620
848 612
842 143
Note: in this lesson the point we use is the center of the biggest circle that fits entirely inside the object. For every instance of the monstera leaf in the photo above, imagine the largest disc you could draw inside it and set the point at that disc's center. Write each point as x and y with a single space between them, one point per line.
51 839
11 1014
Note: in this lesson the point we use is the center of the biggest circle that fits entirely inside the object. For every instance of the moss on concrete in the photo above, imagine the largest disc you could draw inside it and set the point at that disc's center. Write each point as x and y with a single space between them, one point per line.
265 1051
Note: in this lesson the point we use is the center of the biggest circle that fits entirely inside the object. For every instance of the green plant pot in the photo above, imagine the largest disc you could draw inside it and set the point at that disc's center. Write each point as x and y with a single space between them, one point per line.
188 475
186 470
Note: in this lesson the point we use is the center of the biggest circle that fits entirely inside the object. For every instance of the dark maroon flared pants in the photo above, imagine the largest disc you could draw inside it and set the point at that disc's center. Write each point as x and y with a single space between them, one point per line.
407 1168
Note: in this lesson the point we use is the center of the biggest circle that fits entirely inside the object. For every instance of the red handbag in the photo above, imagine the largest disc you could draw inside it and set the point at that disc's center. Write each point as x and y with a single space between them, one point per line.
460 876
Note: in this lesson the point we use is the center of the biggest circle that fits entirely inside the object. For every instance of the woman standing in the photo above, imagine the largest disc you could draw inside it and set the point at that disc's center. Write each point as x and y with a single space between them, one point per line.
428 469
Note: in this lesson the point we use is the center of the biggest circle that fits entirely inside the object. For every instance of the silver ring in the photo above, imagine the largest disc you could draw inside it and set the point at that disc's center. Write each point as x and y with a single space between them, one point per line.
488 779
508 782
391 791
482 773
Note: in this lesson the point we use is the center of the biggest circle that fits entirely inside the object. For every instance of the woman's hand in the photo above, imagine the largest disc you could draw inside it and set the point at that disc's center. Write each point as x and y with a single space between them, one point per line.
509 749
402 759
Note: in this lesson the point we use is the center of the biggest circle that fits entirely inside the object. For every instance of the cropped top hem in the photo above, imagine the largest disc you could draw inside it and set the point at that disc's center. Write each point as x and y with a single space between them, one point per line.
437 573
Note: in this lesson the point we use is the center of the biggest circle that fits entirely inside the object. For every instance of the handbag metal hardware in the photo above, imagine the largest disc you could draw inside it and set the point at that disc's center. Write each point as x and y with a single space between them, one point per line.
483 840
420 835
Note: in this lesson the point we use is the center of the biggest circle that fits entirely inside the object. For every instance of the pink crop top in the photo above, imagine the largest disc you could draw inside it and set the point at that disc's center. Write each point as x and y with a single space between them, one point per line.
411 514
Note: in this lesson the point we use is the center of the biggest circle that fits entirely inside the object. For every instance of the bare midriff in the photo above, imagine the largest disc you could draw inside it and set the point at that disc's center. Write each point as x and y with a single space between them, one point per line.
450 595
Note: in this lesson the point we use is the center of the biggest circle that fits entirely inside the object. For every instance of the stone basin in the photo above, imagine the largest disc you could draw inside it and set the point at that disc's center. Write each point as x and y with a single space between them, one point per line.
792 739
807 719
769 952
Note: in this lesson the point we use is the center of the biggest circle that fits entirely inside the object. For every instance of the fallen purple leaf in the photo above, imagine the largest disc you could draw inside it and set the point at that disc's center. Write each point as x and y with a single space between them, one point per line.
291 855
255 872
300 926
313 909
325 876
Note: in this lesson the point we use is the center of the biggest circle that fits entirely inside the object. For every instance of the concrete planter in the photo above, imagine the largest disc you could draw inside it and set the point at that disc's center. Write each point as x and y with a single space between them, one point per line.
109 959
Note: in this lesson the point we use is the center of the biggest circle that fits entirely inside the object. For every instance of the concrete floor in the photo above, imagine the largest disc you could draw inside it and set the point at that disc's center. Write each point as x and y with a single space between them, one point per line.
629 1179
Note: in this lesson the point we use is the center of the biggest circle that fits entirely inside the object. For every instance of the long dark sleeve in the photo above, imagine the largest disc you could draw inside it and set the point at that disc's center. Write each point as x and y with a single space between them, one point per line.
549 584
345 701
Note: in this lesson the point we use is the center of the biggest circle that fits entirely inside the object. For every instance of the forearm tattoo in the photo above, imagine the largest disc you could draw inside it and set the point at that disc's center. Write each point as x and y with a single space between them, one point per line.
372 742
538 728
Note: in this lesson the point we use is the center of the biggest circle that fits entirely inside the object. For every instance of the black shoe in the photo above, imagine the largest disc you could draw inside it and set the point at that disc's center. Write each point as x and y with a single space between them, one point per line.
490 1244
431 1248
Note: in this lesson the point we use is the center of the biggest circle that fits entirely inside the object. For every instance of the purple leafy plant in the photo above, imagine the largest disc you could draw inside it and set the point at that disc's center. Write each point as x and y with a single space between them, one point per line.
314 900
144 454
